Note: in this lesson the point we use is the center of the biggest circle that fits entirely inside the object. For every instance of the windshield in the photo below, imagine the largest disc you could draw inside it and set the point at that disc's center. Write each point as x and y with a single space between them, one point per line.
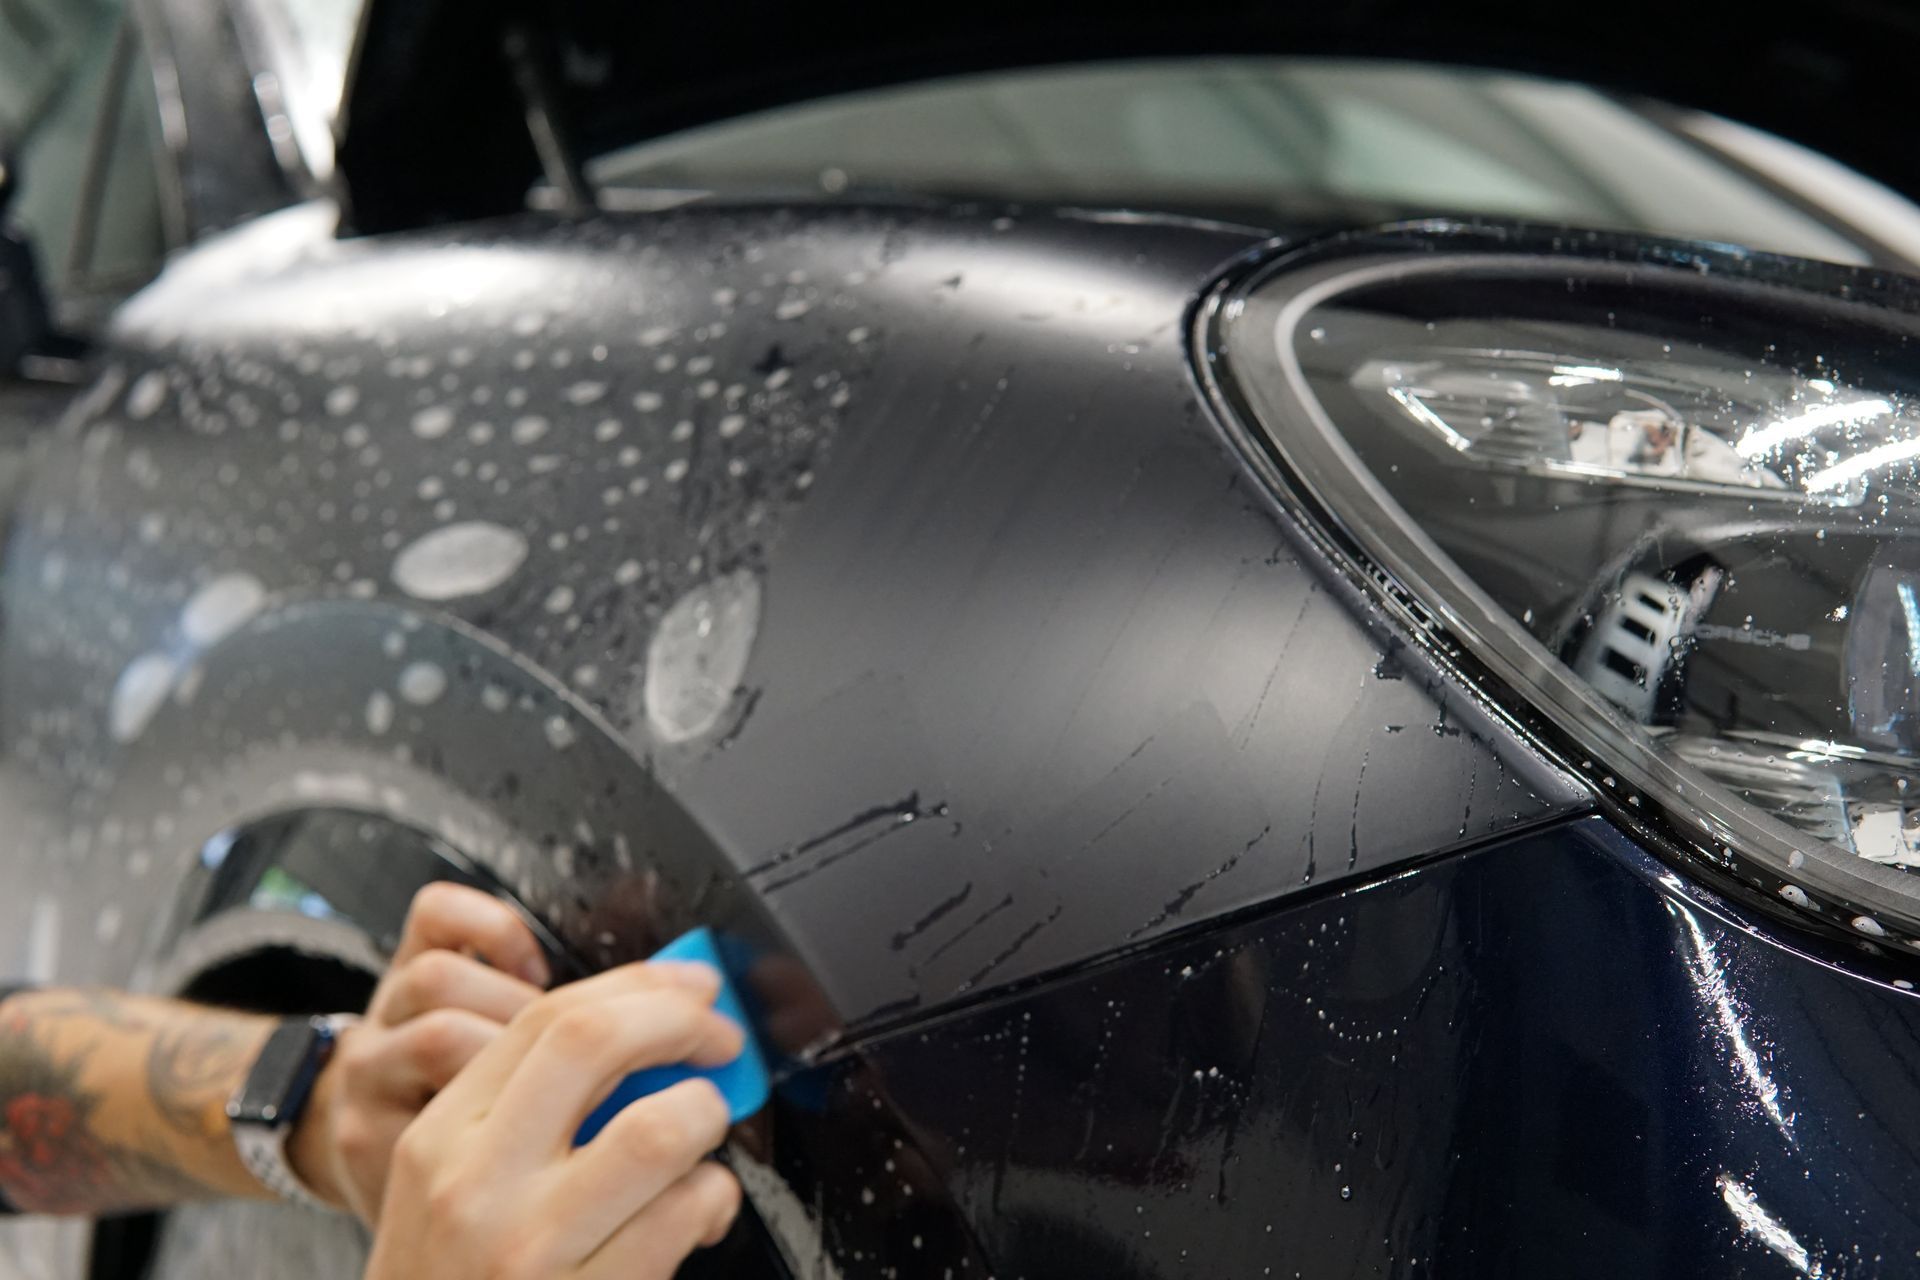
1281 142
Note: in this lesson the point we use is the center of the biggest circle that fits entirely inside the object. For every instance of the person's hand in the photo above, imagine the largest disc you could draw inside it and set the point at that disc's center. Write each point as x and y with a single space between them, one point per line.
486 1181
466 964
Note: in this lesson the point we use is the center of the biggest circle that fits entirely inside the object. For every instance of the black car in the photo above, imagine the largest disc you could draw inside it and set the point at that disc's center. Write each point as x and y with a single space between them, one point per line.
1272 661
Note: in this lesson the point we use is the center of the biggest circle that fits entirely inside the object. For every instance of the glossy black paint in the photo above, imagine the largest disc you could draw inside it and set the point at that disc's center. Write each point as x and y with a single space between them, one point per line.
1549 1056
1035 675
1031 673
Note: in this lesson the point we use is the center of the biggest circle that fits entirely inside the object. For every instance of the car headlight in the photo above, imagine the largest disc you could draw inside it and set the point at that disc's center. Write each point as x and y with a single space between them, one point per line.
1662 501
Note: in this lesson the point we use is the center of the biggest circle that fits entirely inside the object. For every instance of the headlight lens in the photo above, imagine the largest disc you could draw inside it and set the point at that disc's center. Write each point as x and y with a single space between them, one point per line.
1675 426
1669 497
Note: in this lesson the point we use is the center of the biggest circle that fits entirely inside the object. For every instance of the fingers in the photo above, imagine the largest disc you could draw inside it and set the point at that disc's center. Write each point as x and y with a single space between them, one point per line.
376 1082
650 1146
447 980
456 918
695 1211
485 1181
585 1050
437 1009
418 1059
491 1070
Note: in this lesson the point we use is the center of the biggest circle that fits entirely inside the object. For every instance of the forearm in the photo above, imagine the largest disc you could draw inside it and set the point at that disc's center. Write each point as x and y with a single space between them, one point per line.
111 1102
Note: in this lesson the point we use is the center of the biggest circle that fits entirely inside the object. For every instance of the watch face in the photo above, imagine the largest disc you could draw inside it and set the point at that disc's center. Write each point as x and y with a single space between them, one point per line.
282 1075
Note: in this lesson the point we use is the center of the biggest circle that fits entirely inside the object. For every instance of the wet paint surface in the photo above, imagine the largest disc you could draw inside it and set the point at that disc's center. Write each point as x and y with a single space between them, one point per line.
891 553
871 585
1434 1075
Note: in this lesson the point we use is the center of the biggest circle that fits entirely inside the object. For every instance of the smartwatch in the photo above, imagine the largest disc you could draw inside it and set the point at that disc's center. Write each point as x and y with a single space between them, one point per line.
266 1106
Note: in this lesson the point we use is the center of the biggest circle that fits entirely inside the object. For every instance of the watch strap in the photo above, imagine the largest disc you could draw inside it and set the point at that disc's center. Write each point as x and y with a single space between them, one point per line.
261 1141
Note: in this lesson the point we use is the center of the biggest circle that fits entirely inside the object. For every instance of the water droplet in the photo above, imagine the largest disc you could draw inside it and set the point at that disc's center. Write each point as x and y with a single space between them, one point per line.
379 712
433 422
137 695
422 683
148 394
698 656
459 560
220 608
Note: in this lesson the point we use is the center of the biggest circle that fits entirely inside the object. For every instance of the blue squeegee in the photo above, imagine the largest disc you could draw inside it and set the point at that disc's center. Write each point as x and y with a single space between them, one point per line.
742 1082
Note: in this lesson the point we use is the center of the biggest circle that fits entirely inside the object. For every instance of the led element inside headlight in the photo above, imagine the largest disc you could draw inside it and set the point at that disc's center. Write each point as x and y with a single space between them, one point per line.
1670 497
1676 428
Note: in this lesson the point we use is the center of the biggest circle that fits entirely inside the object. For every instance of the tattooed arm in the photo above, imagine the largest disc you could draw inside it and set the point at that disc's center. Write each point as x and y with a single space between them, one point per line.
111 1102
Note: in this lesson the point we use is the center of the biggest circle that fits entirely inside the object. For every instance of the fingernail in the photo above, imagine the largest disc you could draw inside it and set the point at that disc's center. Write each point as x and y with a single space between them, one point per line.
535 970
687 973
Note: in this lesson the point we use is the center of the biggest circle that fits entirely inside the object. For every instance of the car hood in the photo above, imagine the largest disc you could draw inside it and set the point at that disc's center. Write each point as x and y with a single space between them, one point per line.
434 125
